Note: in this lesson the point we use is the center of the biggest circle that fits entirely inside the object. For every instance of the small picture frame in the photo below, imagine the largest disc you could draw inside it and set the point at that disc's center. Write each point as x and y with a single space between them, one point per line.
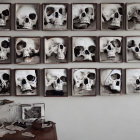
133 16
84 49
133 49
55 16
5 82
56 82
133 81
84 82
5 16
112 16
84 16
5 50
27 16
27 82
111 48
31 112
56 49
27 50
110 81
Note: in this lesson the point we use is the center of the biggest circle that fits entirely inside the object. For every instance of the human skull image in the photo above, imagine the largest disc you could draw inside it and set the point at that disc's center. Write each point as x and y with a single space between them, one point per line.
84 49
4 48
26 17
84 81
110 81
83 16
4 82
133 48
110 48
26 82
55 82
133 16
55 50
27 49
4 14
55 16
132 81
112 16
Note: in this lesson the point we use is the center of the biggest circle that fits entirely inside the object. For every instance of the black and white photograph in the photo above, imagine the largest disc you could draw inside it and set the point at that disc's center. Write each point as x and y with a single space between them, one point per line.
84 49
133 16
133 49
5 85
5 47
55 16
26 16
56 49
132 81
56 82
84 16
84 82
110 81
31 112
26 82
5 16
27 50
111 49
112 16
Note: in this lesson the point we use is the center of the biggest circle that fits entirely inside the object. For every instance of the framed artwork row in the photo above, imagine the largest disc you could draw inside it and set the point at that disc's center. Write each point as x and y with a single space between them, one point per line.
60 82
75 16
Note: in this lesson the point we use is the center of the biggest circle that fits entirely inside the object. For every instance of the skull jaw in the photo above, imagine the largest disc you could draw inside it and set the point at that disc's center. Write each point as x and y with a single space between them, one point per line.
115 88
61 57
2 22
4 90
27 59
115 24
57 87
137 55
2 58
111 55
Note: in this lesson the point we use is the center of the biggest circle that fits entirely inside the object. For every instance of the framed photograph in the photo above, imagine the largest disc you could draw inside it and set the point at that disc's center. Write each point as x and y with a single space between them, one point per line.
27 50
5 84
56 49
56 82
112 16
84 82
110 49
132 81
55 16
110 81
31 112
84 49
26 82
133 49
5 16
5 49
133 16
26 16
84 16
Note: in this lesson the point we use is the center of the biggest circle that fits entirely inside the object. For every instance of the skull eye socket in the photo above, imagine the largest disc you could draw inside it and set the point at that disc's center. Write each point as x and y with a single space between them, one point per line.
137 49
116 43
91 76
137 81
86 10
131 43
63 78
49 11
5 44
21 45
109 47
77 50
91 49
30 77
5 76
60 10
5 12
120 11
138 12
32 16
115 76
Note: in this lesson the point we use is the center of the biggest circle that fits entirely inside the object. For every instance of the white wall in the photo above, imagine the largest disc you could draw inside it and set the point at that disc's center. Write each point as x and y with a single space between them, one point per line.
87 118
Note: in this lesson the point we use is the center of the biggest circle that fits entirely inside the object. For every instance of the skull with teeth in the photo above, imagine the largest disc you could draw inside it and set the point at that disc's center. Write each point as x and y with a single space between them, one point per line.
55 16
4 48
113 80
55 47
84 49
111 46
133 45
112 15
26 81
84 80
4 14
4 81
83 15
26 17
26 48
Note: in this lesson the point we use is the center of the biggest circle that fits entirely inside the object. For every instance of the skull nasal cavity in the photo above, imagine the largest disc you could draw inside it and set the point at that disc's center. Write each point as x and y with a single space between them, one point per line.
136 49
109 47
56 14
26 20
85 81
86 52
117 83
137 81
116 15
58 80
83 14
23 81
